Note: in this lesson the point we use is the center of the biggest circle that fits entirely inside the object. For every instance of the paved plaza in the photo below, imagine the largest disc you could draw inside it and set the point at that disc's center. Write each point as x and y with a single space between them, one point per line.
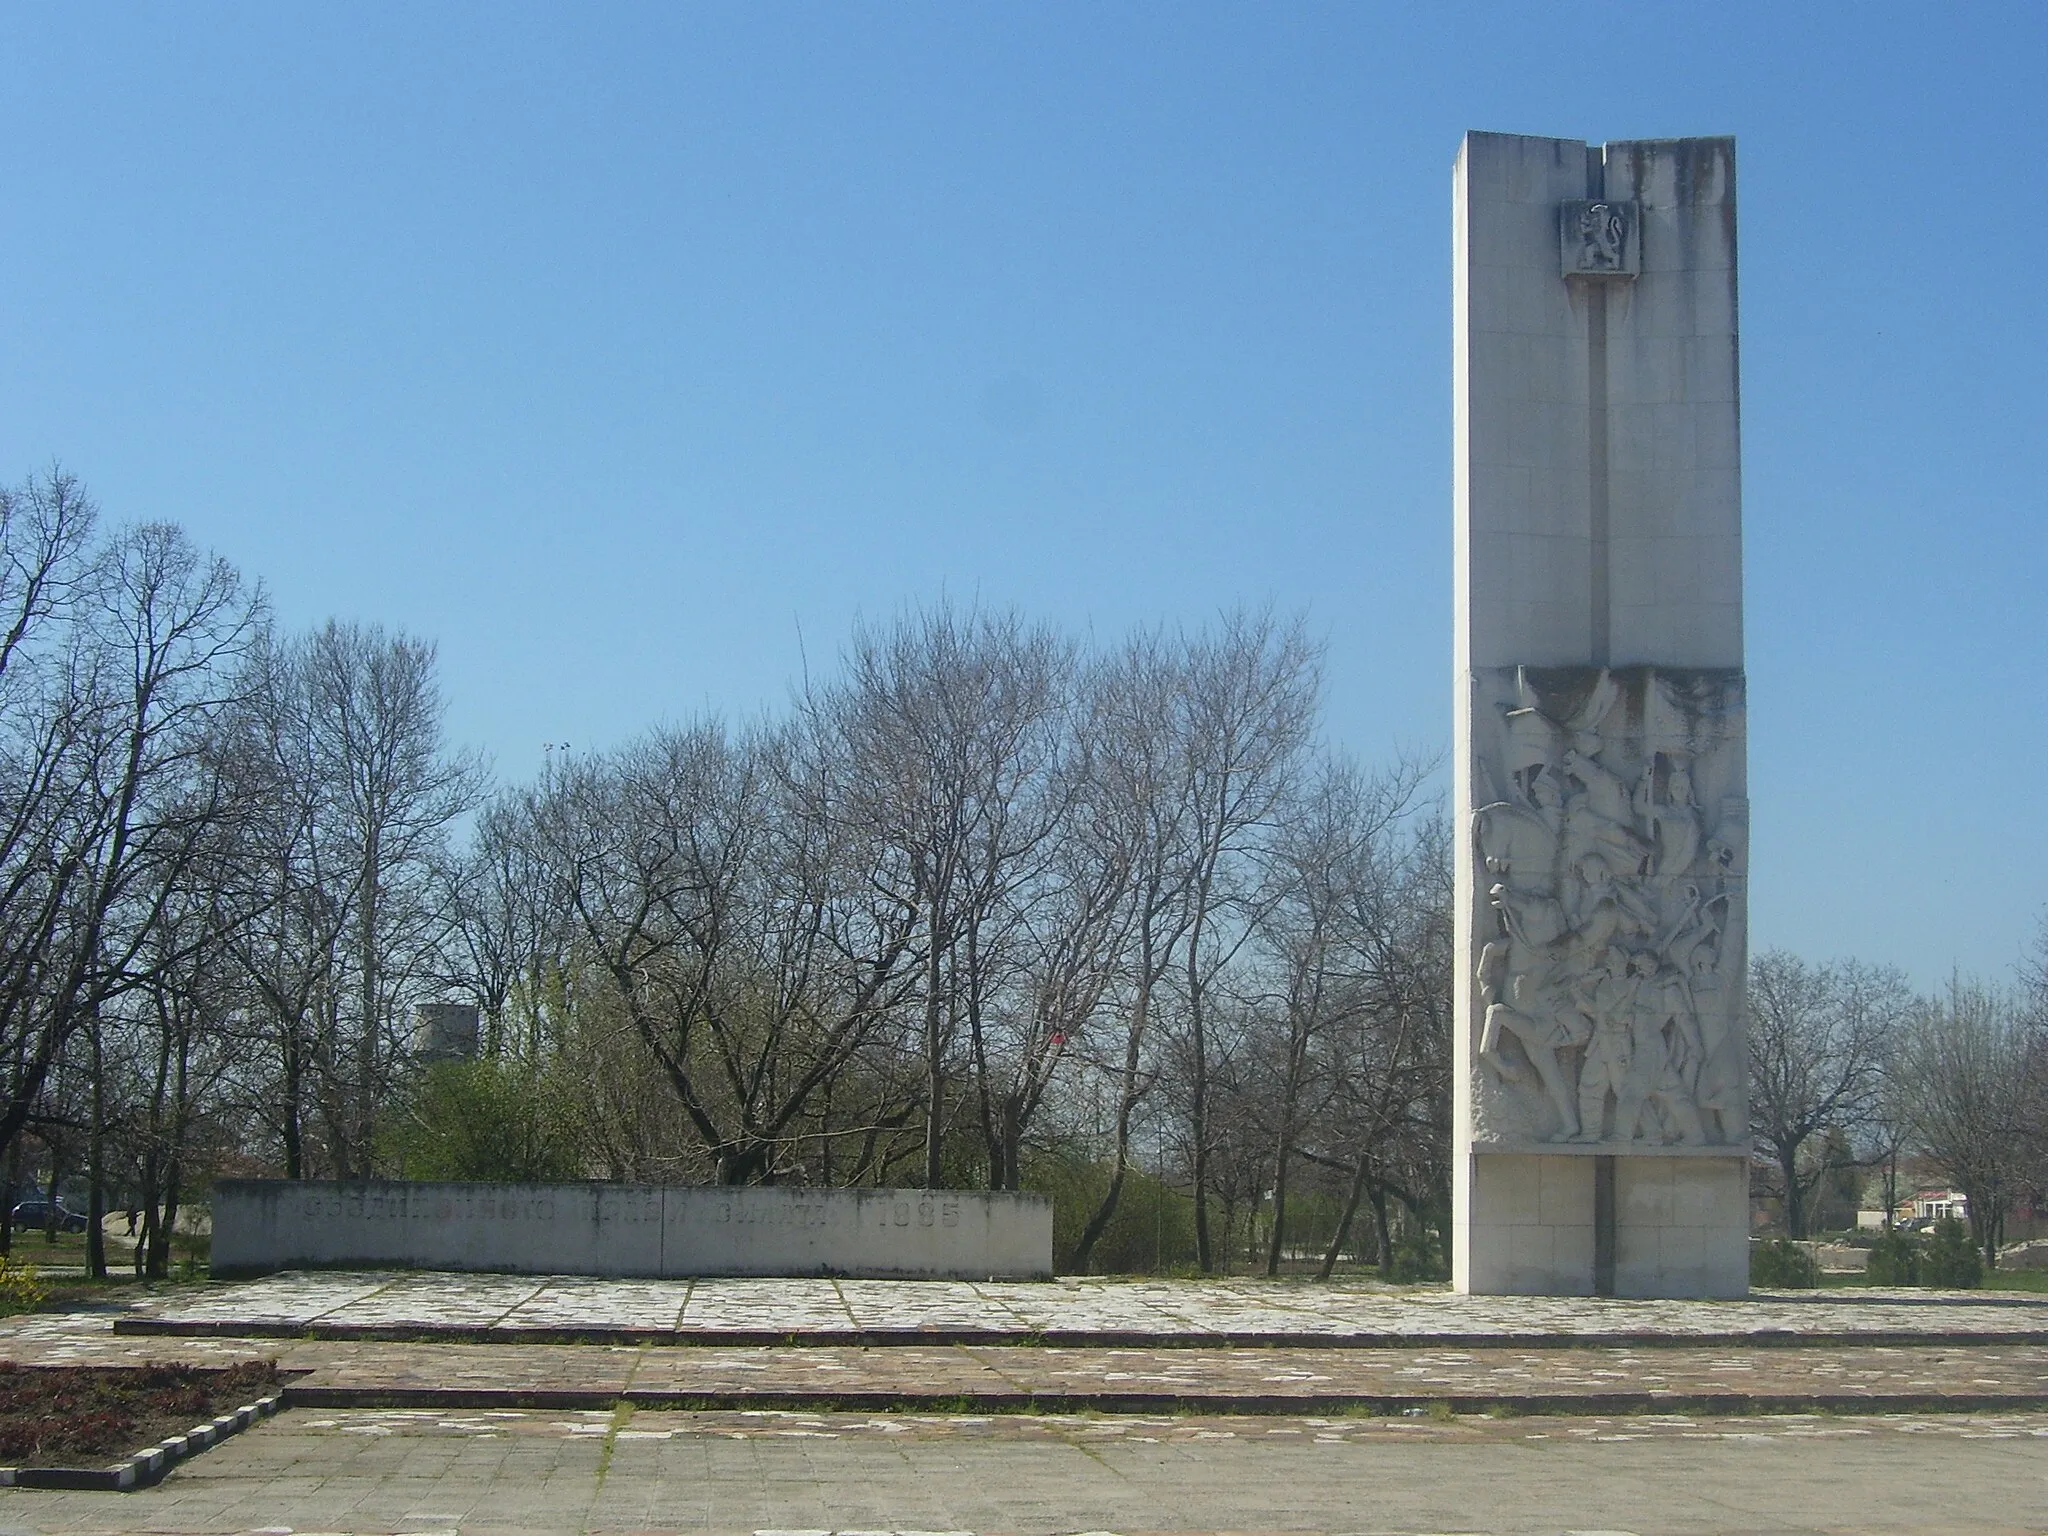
477 1404
734 1474
1167 1314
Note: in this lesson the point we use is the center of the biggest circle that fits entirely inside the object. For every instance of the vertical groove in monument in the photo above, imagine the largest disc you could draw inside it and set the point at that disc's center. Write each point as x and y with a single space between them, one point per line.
1596 451
1599 520
1599 509
1605 1228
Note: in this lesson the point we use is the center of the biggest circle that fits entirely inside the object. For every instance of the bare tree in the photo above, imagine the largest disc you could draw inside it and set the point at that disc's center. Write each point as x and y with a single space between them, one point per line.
1248 712
45 560
510 933
1329 852
748 938
1068 947
1820 1037
392 791
183 1046
1388 1121
1964 1074
291 952
951 726
1137 819
108 734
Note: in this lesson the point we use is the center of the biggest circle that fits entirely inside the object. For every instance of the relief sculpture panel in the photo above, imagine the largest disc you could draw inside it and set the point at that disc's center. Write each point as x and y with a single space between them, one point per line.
1610 848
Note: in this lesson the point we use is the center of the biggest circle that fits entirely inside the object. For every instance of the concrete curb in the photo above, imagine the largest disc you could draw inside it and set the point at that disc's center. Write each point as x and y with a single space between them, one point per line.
1558 1404
146 1467
1057 1338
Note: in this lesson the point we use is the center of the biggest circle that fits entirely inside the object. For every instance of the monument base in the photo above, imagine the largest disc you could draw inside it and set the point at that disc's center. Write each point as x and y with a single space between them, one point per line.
1530 1224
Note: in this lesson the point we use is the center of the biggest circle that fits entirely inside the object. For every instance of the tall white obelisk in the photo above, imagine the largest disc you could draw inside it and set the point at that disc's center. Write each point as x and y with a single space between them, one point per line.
1601 1127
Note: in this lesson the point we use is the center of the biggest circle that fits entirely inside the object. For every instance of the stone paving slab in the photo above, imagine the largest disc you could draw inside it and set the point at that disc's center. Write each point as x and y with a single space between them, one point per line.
966 1379
770 1473
1194 1314
1718 1376
1150 1429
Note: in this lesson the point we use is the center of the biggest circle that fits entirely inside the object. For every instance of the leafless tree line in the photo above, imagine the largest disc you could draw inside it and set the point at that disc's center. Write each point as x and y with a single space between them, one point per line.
983 898
982 907
221 857
980 901
1851 1072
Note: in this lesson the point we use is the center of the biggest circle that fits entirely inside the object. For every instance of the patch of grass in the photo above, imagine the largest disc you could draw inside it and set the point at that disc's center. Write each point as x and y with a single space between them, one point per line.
77 1293
2035 1280
39 1247
622 1415
2015 1279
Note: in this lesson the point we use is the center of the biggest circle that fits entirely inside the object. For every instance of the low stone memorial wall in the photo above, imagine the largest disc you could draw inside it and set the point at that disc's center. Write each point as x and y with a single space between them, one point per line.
643 1231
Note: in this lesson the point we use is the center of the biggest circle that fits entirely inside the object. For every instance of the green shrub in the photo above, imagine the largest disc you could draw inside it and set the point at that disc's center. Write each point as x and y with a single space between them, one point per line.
1417 1255
1950 1260
1894 1259
1780 1264
1153 1227
488 1121
21 1290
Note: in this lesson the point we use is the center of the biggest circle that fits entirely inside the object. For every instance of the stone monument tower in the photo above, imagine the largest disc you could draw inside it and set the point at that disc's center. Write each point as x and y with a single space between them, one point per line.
1601 1125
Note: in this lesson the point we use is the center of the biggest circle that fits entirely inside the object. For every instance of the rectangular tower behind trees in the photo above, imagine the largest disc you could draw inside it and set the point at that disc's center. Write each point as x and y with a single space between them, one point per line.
1600 1123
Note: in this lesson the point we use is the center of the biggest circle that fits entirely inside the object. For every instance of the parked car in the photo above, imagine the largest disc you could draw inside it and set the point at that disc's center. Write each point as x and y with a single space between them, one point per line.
34 1216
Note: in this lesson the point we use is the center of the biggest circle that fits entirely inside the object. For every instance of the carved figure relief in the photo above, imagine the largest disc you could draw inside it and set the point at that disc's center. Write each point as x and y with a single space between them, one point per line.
1610 850
1598 239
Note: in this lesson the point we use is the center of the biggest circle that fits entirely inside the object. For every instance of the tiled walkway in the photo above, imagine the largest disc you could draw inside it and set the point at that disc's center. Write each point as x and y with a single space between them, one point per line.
1161 1314
470 1342
458 1404
1694 1378
767 1473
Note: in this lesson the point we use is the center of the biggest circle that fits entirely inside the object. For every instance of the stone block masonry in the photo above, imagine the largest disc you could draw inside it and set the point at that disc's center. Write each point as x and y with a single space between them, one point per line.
264 1225
1600 1115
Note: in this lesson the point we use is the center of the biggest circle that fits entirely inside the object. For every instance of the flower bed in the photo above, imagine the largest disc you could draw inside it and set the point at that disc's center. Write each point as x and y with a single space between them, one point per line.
79 1418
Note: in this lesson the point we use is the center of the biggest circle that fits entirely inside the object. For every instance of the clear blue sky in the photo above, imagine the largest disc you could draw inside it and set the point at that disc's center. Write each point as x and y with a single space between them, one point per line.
619 347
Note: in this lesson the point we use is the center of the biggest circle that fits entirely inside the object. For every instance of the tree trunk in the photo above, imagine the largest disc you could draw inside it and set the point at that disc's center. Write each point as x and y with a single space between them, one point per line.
359 1155
1795 1202
1343 1233
145 1194
1127 1100
935 1083
1279 1236
7 1210
1199 1125
159 1265
95 1153
1098 1223
1012 1148
1198 1100
50 1199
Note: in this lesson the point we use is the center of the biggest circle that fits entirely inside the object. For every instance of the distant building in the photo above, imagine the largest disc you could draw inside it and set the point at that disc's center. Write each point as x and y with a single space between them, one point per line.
444 1032
1934 1205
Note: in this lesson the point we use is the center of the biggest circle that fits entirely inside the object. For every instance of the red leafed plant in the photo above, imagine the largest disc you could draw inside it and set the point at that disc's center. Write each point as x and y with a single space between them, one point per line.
65 1415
